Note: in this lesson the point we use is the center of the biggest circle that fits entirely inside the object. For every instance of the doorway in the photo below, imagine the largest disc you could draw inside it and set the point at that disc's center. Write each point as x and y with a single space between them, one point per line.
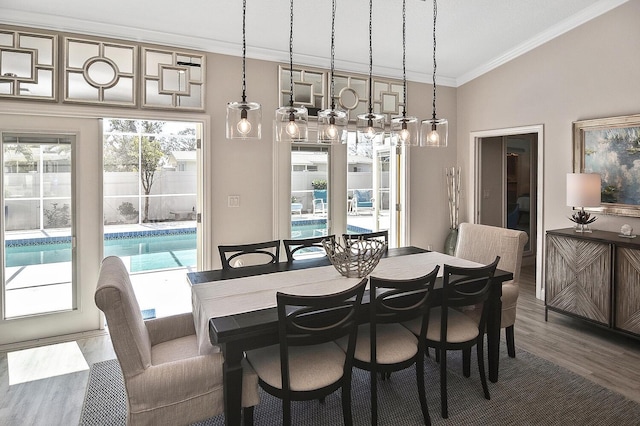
507 178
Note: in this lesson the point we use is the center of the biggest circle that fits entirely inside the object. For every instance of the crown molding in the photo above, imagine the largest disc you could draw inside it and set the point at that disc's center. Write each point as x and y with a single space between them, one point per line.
568 24
164 38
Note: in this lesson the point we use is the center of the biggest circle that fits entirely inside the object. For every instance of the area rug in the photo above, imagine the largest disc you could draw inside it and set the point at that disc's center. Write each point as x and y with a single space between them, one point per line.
530 391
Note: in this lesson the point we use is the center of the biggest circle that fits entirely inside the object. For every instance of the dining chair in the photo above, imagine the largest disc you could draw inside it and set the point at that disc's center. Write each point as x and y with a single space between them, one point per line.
481 244
167 380
449 329
384 345
307 363
378 235
237 256
305 248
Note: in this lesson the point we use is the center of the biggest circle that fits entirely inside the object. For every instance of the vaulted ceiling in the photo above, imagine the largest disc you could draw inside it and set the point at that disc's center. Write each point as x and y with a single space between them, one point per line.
473 36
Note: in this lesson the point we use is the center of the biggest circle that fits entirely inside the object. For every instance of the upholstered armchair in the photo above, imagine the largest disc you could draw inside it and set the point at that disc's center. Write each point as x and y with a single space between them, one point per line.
482 243
167 381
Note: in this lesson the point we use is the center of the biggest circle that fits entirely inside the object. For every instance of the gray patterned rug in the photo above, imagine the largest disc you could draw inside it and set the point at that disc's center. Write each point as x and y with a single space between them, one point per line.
531 391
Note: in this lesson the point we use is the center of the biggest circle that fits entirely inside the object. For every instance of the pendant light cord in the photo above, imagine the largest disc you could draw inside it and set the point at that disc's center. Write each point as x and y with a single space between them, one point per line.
370 58
404 58
244 51
291 54
435 14
333 51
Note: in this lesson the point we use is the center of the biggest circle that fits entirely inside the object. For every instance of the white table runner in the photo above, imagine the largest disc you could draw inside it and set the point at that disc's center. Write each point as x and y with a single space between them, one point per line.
235 296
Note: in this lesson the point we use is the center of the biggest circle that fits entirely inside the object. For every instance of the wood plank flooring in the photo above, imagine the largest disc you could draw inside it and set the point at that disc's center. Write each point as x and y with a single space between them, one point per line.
612 361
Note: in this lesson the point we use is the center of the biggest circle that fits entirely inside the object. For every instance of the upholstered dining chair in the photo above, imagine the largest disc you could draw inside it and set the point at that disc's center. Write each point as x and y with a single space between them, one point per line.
305 248
239 255
307 363
384 345
167 381
449 329
481 244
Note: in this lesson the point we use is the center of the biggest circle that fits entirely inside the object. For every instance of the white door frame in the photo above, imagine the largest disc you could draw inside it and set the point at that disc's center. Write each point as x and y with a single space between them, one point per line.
474 180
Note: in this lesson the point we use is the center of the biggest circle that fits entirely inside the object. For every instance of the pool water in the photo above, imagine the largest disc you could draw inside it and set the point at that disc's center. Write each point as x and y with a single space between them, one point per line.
147 253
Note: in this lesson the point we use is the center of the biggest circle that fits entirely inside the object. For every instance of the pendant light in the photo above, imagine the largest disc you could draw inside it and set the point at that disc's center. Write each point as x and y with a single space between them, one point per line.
332 123
370 126
291 122
434 132
244 119
404 130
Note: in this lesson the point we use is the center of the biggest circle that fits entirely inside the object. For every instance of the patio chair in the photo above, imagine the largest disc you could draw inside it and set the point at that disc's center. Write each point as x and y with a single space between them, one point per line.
362 199
320 204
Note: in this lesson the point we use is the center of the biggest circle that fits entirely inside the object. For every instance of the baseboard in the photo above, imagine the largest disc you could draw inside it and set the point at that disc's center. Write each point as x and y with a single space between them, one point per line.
27 344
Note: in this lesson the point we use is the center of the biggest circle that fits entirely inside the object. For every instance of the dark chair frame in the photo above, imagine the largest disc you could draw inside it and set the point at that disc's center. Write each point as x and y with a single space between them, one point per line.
246 249
313 320
397 301
292 246
463 287
367 236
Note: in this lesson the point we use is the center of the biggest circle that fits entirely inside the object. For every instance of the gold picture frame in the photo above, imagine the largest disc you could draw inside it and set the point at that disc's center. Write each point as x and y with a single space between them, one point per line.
611 147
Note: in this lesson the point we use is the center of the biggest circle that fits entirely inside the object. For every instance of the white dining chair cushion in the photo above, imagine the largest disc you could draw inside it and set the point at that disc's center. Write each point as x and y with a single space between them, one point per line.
310 367
394 344
460 327
509 301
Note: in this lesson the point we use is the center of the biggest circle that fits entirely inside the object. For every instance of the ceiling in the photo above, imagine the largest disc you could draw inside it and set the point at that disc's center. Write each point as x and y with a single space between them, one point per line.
473 36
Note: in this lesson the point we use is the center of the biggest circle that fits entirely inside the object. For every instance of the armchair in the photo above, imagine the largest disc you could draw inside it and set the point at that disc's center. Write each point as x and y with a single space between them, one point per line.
167 381
320 204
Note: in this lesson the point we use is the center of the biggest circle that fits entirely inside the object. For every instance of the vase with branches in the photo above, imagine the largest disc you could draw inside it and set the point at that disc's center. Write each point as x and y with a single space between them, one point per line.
453 192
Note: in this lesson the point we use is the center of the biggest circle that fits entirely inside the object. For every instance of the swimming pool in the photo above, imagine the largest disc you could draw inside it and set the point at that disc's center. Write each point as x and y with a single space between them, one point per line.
147 250
310 228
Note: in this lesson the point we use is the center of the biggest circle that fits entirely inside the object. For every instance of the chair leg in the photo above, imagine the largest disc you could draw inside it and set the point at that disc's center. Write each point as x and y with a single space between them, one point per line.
511 345
483 376
466 362
421 392
247 416
374 395
346 403
286 412
443 383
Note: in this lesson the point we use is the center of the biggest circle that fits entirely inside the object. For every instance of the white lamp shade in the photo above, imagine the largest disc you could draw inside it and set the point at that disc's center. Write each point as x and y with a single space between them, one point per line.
583 189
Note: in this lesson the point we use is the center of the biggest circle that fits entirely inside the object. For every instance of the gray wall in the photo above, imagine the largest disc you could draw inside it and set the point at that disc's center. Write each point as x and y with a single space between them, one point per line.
590 72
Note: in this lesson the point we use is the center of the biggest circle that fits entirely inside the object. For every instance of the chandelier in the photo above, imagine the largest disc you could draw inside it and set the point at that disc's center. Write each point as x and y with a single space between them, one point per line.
244 119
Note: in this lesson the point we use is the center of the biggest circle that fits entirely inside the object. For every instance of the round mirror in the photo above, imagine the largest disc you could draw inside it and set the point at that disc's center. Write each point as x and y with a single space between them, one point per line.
348 98
101 73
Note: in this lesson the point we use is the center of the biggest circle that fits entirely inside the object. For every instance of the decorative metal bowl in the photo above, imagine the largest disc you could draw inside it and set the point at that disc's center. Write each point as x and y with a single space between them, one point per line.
355 258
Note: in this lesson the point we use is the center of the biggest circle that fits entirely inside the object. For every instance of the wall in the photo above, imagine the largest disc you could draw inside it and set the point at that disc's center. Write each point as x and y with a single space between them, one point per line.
248 168
589 72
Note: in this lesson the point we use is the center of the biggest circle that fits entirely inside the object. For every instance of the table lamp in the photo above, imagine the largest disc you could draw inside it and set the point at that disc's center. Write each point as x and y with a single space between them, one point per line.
583 190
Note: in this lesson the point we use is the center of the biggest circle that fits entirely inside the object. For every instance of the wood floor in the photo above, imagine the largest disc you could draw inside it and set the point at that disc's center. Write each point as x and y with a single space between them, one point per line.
610 360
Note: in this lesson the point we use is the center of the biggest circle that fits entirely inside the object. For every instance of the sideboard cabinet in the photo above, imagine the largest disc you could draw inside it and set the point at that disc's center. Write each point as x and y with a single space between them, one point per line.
594 276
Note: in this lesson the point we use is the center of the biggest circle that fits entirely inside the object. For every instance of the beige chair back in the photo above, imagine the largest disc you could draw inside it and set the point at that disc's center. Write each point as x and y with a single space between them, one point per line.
115 297
482 243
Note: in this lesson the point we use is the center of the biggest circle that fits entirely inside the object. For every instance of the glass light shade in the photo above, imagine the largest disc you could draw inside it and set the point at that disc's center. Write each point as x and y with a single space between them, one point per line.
292 124
244 120
404 131
434 133
332 126
370 128
583 189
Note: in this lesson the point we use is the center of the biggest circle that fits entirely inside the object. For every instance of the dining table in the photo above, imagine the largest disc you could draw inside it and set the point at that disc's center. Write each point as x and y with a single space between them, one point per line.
235 309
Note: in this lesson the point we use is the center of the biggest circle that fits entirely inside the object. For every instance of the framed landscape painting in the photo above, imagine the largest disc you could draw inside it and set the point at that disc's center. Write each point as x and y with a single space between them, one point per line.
611 147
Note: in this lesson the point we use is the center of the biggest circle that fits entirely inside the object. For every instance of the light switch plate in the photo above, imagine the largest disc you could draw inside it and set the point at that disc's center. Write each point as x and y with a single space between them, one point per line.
234 201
